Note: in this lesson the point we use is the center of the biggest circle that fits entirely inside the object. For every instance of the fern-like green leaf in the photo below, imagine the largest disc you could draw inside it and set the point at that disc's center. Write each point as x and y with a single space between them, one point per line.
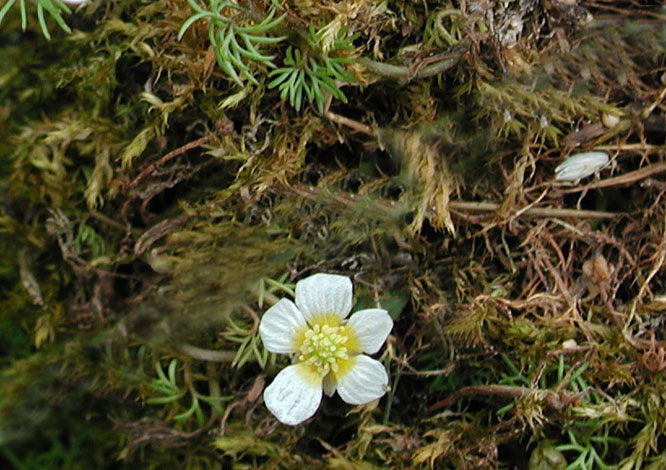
234 43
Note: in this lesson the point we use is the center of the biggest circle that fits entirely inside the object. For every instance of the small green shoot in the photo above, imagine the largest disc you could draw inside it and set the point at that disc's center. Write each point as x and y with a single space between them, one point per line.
55 9
166 385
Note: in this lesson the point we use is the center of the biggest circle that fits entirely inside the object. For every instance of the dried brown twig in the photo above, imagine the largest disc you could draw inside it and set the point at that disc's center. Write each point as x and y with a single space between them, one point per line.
555 400
466 206
221 128
533 211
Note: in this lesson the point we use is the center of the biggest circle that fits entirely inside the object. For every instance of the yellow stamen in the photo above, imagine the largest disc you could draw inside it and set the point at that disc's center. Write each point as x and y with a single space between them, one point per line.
324 347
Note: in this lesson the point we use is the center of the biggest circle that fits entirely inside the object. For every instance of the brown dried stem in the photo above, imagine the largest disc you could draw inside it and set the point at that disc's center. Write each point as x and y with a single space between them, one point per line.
221 128
555 400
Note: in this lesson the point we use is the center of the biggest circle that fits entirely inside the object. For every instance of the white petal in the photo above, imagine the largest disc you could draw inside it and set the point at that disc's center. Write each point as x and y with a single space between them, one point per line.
330 384
294 395
280 327
324 294
371 327
365 381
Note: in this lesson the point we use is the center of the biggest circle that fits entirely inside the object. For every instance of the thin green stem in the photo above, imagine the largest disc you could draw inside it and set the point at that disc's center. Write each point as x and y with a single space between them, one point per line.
206 354
405 72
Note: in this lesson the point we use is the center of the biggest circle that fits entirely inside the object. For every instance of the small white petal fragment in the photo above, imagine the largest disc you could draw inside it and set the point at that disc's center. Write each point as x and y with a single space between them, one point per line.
330 384
371 327
280 326
610 120
570 343
580 165
294 395
74 2
366 380
324 294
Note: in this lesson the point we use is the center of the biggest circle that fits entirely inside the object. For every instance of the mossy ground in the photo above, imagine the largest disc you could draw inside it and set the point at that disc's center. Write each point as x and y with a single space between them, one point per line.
152 208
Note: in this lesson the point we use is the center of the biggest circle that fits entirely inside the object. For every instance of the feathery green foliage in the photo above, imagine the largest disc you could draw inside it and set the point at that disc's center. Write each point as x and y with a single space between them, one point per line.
314 72
234 44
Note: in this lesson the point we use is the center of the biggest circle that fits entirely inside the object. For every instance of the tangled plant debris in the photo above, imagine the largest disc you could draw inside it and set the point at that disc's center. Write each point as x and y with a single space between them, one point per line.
172 171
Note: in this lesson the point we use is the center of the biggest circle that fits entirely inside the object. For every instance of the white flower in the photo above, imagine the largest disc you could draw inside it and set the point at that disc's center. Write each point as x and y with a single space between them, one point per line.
327 349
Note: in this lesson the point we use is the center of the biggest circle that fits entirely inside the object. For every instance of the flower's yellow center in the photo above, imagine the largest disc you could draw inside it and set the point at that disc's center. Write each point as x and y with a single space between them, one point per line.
324 347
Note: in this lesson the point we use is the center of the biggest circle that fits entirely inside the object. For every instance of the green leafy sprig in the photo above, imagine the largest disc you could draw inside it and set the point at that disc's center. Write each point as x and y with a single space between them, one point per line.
235 46
314 72
55 9
585 446
436 33
166 386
